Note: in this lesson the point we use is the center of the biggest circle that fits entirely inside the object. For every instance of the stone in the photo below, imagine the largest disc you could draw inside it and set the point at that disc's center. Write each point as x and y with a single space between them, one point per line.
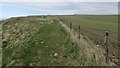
55 54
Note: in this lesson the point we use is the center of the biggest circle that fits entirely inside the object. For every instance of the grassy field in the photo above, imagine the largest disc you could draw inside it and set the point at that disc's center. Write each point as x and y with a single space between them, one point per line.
94 26
41 40
0 45
38 41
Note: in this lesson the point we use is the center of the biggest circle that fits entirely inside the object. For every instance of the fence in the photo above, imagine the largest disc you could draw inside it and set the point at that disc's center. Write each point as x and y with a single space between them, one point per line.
106 42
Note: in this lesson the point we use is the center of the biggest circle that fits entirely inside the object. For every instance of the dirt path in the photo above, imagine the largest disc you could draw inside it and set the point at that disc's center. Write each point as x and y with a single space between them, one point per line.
90 50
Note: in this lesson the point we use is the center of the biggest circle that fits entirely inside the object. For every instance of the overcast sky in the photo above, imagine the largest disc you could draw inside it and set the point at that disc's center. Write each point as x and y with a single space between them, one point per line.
59 0
11 8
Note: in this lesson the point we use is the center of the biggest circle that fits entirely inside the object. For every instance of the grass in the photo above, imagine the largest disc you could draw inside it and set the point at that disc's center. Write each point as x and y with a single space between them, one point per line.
42 41
40 45
94 27
0 45
96 24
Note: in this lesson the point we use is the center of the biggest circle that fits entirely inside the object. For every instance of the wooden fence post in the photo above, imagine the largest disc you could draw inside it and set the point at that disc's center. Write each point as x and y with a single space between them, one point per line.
79 31
70 25
106 44
118 57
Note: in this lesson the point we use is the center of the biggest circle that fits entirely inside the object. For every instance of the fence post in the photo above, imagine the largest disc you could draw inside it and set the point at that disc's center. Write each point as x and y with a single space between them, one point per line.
79 31
106 44
118 57
70 25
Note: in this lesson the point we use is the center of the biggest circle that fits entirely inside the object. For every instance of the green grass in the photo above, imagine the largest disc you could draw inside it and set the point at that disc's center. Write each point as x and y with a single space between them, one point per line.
34 41
0 45
95 25
39 47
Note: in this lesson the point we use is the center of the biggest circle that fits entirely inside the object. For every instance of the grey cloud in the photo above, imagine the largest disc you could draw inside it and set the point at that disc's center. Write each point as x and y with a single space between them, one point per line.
72 7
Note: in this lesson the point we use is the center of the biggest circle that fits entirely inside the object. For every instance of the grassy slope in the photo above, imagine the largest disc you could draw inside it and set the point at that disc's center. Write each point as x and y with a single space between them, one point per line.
93 23
28 42
0 45
94 26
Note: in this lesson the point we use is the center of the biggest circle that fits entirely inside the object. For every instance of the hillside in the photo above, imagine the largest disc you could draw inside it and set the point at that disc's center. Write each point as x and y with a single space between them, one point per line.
47 41
94 27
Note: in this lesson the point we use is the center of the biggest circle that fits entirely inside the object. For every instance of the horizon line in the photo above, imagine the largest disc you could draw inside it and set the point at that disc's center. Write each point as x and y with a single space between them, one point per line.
51 15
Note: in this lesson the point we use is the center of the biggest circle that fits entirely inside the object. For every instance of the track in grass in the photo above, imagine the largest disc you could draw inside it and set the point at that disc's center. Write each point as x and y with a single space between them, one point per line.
42 40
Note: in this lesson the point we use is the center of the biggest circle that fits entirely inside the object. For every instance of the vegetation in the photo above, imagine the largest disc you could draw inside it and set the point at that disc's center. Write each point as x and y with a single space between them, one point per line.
30 41
94 27
41 40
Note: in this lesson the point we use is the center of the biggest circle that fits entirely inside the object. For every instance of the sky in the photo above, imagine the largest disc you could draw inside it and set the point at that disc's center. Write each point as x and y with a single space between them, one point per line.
14 8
